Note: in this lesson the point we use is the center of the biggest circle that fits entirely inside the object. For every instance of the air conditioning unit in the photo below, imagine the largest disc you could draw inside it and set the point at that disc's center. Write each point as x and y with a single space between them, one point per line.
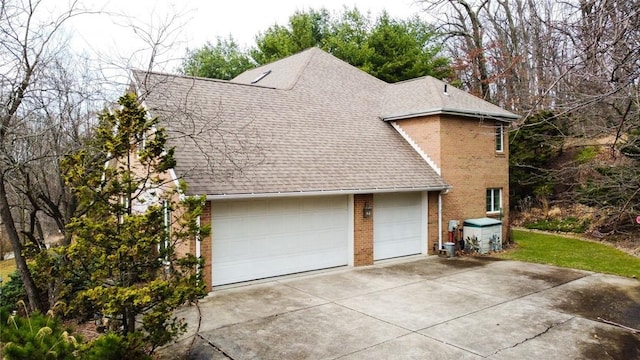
482 235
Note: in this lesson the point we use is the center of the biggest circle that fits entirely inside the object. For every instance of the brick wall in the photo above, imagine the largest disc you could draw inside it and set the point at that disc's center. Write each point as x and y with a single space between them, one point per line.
185 246
432 223
469 163
425 132
205 247
362 231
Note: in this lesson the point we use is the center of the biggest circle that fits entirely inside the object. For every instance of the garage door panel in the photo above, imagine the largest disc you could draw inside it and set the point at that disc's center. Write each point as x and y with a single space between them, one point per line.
254 239
397 225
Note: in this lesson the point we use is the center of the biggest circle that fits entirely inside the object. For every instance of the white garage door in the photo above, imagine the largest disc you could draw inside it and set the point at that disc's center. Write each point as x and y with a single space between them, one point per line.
254 239
397 225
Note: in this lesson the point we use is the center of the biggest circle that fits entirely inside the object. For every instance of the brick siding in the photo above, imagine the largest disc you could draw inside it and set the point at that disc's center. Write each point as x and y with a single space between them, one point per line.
432 223
205 248
362 231
464 149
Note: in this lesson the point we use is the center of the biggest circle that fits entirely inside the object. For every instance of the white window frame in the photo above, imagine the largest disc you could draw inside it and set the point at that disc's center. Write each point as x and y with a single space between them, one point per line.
489 204
499 135
166 211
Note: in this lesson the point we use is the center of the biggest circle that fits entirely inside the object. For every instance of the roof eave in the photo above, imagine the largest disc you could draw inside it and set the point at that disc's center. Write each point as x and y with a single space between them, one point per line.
444 188
454 112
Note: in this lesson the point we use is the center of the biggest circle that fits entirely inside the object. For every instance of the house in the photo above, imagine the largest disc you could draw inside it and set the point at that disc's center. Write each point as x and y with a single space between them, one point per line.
310 163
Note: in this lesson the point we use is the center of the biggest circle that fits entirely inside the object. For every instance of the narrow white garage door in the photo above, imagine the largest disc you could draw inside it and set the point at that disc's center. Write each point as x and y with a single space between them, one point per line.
397 225
254 239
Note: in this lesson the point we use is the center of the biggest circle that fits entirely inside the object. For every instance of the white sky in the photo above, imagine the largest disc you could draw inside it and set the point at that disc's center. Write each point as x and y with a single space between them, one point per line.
201 21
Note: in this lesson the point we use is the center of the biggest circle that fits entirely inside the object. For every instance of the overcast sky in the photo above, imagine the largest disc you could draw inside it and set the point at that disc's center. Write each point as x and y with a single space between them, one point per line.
200 21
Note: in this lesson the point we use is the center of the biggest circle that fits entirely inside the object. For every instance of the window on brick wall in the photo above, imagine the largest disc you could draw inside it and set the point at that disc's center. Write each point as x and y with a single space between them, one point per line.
494 200
499 138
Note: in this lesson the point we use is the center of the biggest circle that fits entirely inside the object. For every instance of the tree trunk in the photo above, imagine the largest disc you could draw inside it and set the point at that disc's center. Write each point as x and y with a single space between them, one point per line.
33 294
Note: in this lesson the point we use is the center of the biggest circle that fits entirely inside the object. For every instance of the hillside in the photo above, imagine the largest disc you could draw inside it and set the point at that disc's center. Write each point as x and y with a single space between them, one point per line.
579 195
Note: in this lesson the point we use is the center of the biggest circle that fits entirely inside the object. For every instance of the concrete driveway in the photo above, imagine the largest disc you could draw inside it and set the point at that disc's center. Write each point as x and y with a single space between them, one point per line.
421 308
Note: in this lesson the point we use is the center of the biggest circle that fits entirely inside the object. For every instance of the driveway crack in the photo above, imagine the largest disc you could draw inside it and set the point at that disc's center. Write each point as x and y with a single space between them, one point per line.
214 346
532 337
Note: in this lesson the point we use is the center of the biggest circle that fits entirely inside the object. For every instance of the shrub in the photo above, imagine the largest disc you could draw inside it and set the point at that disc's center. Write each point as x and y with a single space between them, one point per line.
12 292
115 347
533 147
569 224
35 336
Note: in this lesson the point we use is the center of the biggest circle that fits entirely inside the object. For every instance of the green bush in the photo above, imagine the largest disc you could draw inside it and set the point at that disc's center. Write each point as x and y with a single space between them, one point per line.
42 337
12 292
35 336
533 147
115 347
569 224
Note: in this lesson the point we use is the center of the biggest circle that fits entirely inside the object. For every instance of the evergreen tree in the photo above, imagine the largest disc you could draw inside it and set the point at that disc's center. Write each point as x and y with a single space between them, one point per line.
223 60
533 147
122 261
389 49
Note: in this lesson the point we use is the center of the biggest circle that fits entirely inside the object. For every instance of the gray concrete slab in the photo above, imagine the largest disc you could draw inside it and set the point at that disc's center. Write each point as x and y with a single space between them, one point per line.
320 332
595 297
577 338
361 281
431 308
348 284
435 267
412 346
510 280
420 305
499 327
246 303
191 349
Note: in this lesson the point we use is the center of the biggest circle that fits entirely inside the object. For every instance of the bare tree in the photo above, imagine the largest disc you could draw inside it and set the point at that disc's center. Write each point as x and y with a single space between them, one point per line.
462 24
543 54
31 49
576 61
49 100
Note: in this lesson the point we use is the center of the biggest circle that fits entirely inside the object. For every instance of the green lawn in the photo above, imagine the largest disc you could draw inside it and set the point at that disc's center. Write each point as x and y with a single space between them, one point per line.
7 267
572 253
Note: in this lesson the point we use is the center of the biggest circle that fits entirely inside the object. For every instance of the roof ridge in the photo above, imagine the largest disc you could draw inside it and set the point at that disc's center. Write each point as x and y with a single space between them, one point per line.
420 78
179 75
302 68
198 78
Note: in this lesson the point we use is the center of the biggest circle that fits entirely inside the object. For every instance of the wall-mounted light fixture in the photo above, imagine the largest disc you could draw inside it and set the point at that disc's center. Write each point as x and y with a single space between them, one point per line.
366 210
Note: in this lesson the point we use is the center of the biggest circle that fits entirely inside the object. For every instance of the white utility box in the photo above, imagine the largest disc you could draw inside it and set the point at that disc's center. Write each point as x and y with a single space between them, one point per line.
483 234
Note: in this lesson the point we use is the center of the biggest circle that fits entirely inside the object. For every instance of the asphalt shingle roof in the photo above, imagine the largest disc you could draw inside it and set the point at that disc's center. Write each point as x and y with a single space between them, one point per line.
313 124
426 96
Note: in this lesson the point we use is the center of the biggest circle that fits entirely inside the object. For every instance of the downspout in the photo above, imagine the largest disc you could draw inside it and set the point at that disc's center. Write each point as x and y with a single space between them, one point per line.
198 250
440 221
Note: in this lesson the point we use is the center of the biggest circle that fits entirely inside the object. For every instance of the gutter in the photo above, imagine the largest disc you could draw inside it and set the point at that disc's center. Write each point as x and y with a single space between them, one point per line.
326 192
500 117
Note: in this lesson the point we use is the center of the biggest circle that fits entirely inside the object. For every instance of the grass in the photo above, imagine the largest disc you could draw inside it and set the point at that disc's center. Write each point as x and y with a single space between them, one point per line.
587 154
572 253
7 267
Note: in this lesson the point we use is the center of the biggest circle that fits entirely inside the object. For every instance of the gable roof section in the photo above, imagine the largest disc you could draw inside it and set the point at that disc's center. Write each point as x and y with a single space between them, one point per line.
282 74
311 126
426 96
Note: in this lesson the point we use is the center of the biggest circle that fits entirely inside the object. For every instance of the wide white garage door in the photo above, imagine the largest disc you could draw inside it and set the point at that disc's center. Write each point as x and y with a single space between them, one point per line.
254 239
397 225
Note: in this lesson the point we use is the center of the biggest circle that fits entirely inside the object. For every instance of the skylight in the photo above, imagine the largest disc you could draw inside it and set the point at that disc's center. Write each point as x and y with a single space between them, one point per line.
262 76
